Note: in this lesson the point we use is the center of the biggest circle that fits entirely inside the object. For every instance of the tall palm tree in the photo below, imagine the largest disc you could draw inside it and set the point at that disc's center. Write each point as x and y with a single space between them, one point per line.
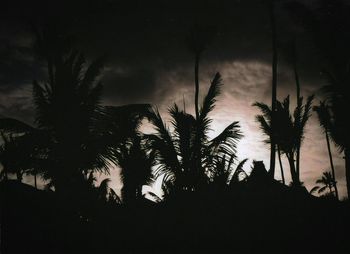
299 105
338 96
74 133
288 129
326 24
198 40
274 88
324 116
188 154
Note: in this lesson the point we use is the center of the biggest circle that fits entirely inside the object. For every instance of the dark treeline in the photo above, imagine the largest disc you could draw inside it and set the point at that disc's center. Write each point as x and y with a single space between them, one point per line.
209 203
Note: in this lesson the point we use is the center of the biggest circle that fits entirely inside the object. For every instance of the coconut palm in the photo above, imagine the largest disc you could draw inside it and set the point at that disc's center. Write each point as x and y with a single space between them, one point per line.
324 116
337 123
74 133
274 87
198 40
288 129
326 24
326 181
136 165
187 154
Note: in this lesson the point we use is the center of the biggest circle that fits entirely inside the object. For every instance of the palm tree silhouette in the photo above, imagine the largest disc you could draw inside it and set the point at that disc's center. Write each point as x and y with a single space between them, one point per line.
188 154
74 133
299 102
288 130
324 116
326 181
136 164
16 156
338 100
274 87
197 41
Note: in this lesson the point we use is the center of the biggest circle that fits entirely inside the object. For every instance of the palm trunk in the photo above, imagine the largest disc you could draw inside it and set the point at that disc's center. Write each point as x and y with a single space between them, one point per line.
274 88
19 176
297 82
293 173
197 156
330 189
347 169
35 180
196 80
6 176
332 166
281 166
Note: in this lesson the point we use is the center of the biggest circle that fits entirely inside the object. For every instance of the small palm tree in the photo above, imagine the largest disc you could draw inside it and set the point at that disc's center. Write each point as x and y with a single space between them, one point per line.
16 156
136 167
327 182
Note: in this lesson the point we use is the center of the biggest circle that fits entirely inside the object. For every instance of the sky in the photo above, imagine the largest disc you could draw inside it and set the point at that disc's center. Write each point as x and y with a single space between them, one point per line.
148 61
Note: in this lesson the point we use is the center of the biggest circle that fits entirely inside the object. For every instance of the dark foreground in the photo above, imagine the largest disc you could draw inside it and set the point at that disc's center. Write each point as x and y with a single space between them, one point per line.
244 219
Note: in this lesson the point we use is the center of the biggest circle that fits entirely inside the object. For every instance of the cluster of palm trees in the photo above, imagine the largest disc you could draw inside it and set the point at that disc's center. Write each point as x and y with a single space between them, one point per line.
285 130
75 136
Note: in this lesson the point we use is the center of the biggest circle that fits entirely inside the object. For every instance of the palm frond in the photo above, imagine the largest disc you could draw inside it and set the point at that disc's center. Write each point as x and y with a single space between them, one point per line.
209 103
314 189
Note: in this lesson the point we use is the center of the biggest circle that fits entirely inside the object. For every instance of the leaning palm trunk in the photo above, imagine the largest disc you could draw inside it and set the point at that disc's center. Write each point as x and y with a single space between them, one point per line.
281 165
347 169
274 88
332 166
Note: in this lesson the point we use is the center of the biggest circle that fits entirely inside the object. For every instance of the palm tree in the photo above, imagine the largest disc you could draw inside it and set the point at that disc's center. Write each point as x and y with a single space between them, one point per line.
198 40
337 122
274 88
15 156
327 181
136 164
188 154
288 129
299 105
323 116
74 133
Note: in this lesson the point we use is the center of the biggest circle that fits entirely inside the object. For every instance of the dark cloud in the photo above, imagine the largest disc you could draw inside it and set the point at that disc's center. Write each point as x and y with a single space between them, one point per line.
129 86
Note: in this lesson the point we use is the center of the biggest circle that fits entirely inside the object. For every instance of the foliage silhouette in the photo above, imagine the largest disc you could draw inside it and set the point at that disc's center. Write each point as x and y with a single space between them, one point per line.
324 117
74 133
177 152
289 130
327 181
136 165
